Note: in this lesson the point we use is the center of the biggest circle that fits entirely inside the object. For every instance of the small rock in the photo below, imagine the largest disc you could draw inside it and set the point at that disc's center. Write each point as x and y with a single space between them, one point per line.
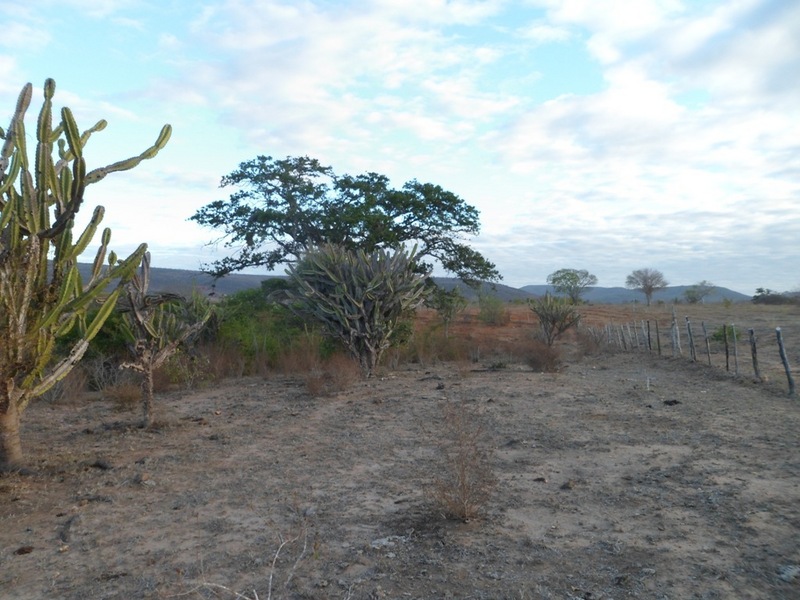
102 464
788 573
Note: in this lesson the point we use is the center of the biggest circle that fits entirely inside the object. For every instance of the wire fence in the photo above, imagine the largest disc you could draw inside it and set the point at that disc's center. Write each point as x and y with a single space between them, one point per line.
738 346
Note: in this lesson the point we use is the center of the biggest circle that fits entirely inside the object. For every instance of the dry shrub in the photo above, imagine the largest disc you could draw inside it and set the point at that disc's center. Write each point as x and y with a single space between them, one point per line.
70 389
223 361
186 369
126 394
542 357
302 356
431 346
464 486
335 374
102 372
593 340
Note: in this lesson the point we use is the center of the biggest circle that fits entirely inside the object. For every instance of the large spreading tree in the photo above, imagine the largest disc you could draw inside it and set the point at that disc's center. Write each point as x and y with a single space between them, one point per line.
648 281
572 282
284 208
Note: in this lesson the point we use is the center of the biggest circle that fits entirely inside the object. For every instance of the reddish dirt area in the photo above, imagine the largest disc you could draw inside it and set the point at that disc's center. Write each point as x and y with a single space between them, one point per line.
620 476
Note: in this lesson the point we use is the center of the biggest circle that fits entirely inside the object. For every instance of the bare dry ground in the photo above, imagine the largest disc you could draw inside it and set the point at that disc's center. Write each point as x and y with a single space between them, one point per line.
622 475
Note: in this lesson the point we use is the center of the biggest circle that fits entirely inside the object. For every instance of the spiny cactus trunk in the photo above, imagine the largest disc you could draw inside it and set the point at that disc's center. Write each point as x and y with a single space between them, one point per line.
148 417
10 443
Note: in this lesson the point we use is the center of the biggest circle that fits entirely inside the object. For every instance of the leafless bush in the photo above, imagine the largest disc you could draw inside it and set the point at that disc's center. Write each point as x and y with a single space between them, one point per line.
70 389
542 357
126 394
464 485
222 361
103 372
593 340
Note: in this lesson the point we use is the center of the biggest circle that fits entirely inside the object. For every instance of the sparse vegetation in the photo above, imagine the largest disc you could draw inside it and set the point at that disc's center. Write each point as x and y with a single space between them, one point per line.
463 487
448 304
768 296
492 310
158 326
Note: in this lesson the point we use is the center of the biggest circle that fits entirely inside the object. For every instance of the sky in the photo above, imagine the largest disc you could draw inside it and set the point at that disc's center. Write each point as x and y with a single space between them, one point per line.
605 135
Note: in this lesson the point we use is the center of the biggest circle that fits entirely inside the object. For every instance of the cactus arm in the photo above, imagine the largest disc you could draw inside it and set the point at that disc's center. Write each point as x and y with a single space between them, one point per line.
23 102
124 165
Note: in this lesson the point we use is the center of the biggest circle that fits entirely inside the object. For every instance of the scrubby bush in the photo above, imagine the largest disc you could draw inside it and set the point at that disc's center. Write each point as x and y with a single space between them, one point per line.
252 331
465 481
492 310
556 315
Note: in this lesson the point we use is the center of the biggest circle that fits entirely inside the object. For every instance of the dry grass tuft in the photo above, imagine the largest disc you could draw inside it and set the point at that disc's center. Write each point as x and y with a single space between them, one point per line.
126 395
464 486
71 389
543 358
333 375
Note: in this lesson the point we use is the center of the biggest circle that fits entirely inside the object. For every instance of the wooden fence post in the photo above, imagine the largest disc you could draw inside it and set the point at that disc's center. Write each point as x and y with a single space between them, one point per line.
647 333
708 346
658 338
692 351
735 351
676 336
633 336
754 354
792 389
727 354
622 338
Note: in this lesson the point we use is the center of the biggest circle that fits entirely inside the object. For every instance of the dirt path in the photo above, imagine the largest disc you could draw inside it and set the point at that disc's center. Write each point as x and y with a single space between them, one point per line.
620 477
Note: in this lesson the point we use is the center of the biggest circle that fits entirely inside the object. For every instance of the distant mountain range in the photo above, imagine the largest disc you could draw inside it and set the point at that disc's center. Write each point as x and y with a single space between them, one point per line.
182 281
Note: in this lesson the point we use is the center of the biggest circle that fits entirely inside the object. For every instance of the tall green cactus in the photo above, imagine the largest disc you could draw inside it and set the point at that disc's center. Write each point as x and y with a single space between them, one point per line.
42 293
357 297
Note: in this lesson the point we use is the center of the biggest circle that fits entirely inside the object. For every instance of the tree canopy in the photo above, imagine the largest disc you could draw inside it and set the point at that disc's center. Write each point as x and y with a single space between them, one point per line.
698 292
283 208
647 281
572 282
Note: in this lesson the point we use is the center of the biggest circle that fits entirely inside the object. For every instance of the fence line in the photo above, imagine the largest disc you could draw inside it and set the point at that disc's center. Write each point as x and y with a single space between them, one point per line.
616 335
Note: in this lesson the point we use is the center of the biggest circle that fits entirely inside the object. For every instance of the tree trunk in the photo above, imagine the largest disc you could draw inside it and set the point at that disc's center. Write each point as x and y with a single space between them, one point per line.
10 444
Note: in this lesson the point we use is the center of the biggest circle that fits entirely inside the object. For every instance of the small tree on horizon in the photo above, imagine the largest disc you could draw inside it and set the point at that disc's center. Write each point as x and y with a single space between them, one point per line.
697 293
572 282
648 281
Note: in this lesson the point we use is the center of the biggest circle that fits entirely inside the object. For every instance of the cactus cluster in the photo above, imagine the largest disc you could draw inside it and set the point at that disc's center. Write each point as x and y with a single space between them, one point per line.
42 293
357 297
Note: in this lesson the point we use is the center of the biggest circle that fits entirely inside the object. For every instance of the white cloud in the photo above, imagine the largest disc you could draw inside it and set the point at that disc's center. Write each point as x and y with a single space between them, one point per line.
543 33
